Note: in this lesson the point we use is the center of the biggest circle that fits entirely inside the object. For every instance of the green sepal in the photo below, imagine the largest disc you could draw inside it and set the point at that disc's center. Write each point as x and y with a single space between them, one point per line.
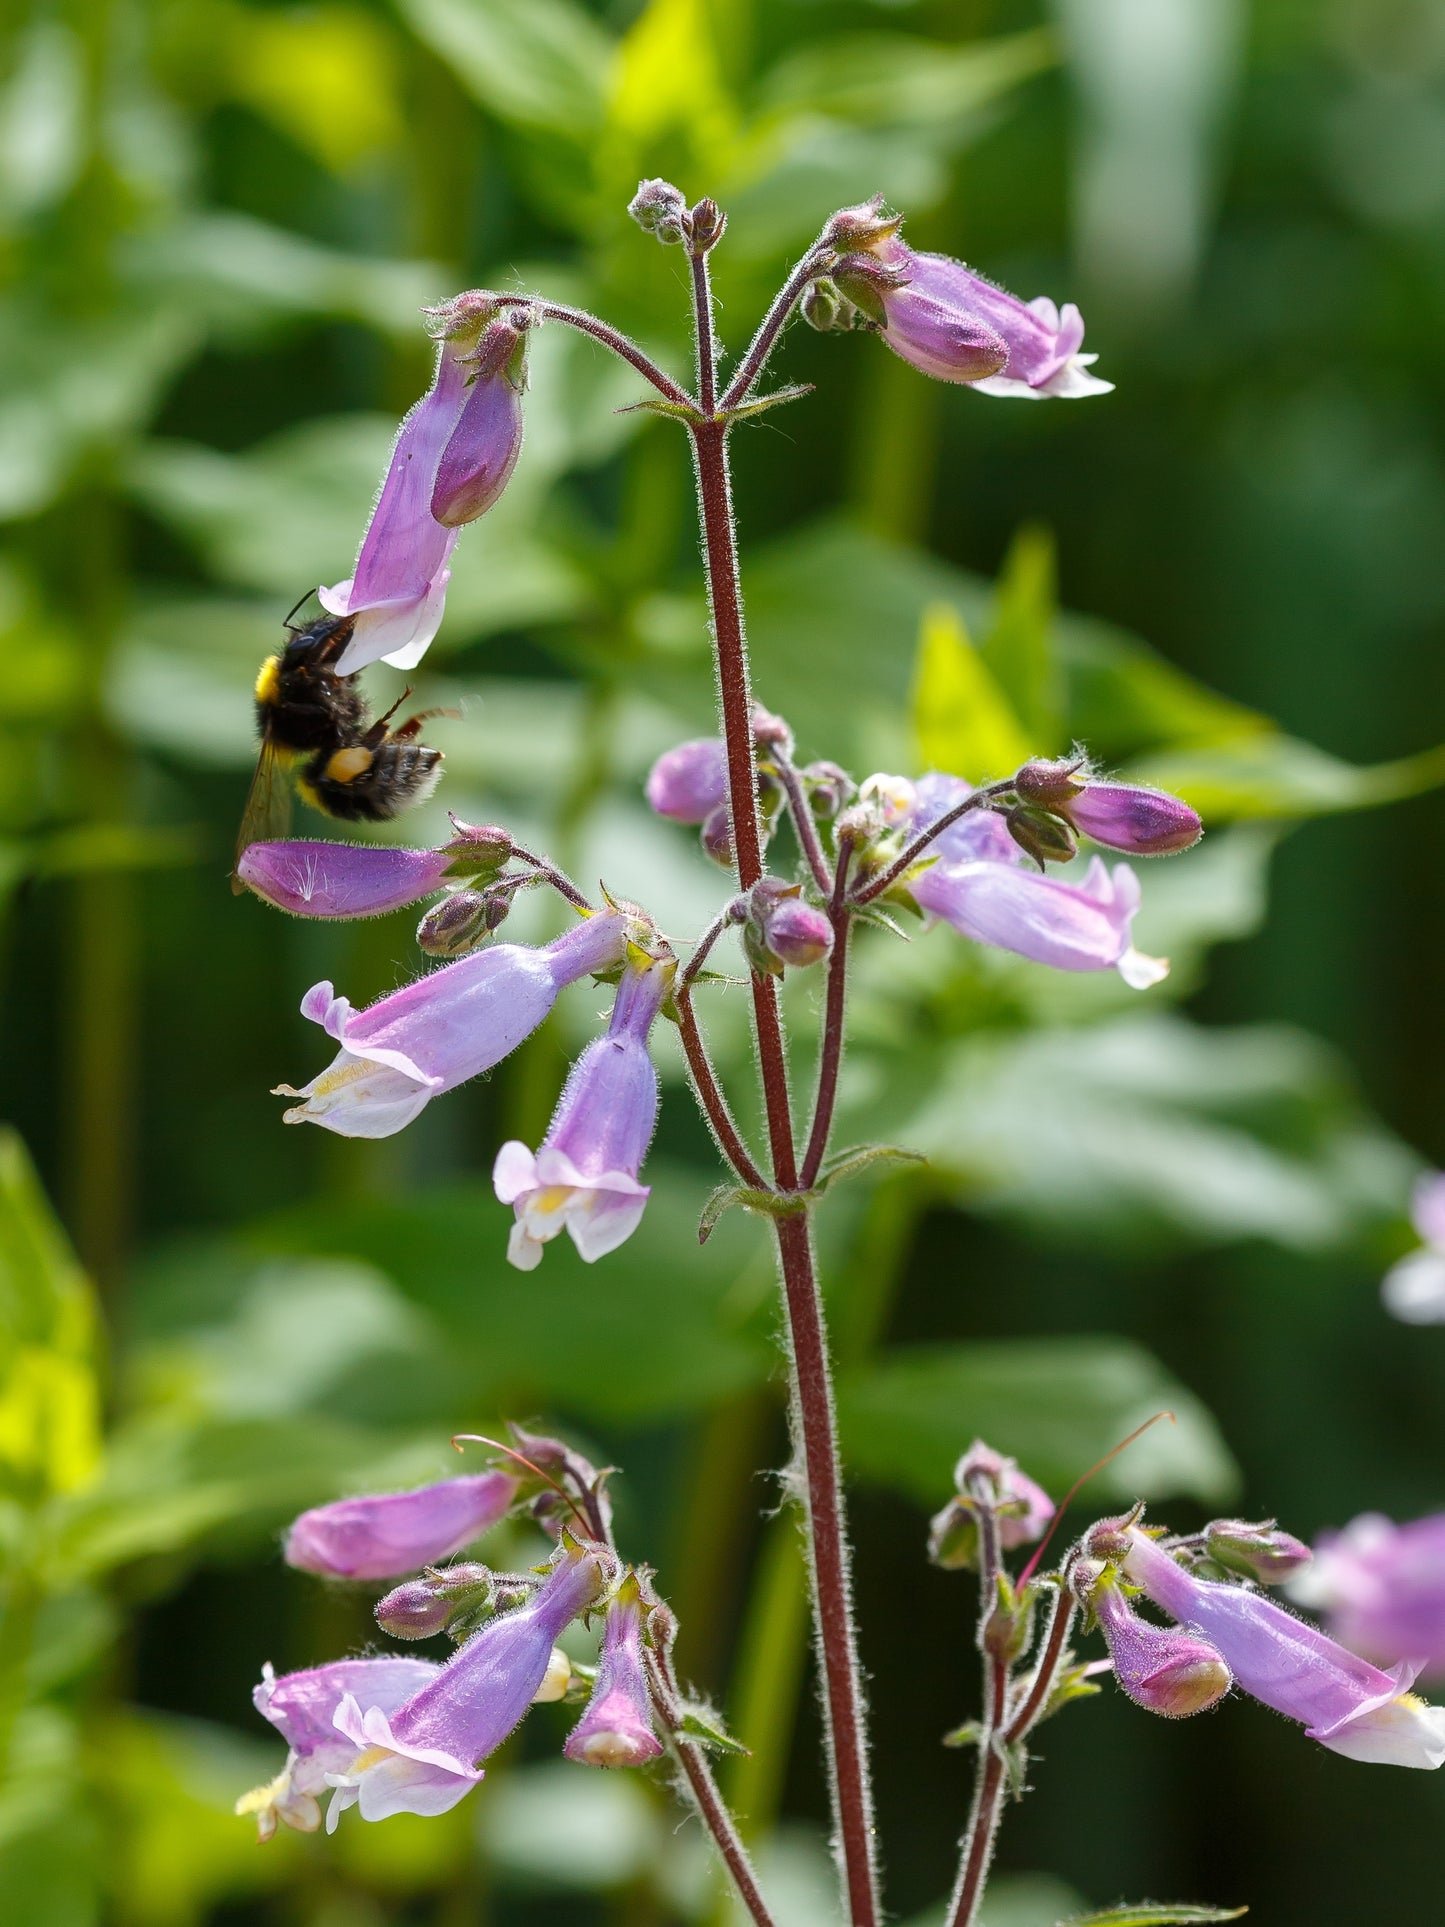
760 404
678 411
848 1164
1070 1685
767 1204
703 1725
1016 1766
969 1734
1152 1913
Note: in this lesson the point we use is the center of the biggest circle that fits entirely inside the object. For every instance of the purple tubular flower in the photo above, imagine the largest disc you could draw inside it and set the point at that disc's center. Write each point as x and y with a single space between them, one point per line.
1040 343
394 1533
1072 926
690 782
1340 1699
477 462
301 1707
1414 1289
446 1027
616 1729
422 1757
1165 1671
584 1175
1382 1588
1141 822
341 879
397 592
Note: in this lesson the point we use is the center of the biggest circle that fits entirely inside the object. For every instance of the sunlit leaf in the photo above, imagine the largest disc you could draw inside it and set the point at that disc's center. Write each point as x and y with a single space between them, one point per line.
41 118
1019 647
326 75
533 63
896 79
1055 1404
1152 1913
963 721
1270 775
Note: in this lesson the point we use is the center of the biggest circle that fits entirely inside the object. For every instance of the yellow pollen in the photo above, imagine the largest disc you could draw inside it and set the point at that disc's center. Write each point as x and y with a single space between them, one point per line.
347 764
373 1756
554 1198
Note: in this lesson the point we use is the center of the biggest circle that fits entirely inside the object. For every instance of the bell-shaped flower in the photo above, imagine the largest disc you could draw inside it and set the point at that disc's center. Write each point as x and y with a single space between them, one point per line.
425 1755
1162 1669
302 1707
1414 1289
616 1729
391 1533
1021 1507
584 1175
691 781
446 1027
1381 1587
1071 926
1341 1700
453 454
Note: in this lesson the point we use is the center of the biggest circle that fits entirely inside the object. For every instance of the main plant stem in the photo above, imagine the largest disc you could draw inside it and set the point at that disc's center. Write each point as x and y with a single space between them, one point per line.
812 1380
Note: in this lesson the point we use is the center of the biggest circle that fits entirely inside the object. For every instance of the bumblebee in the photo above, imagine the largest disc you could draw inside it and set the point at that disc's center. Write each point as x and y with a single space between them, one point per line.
315 726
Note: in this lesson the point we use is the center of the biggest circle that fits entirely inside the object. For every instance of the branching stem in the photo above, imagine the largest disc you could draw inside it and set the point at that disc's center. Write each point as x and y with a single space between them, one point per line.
976 800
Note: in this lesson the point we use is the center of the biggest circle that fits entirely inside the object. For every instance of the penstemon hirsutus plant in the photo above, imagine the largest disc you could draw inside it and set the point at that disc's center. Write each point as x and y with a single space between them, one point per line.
398 1734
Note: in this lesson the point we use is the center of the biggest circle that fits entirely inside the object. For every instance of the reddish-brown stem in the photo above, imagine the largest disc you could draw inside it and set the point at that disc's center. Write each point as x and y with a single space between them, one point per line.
804 828
697 1771
812 1383
1042 1683
547 872
705 339
976 800
985 1811
830 1058
621 345
710 1094
771 326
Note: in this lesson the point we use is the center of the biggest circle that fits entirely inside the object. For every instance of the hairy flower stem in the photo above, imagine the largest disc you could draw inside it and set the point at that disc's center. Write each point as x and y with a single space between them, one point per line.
830 1059
812 1381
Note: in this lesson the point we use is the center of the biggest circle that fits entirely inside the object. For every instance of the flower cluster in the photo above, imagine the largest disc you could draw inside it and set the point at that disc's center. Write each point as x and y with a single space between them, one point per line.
396 1734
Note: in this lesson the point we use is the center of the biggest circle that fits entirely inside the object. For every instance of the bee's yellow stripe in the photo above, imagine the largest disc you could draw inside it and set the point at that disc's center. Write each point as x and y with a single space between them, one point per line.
268 682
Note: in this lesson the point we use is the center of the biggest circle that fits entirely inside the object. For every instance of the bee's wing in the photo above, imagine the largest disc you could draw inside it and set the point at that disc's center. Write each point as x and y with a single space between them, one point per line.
267 814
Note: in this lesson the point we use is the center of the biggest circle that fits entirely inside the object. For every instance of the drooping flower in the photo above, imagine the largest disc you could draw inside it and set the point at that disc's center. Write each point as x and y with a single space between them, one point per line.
1166 1671
616 1729
302 1706
1382 1588
1414 1289
440 1030
1341 1700
1122 816
1023 1508
392 1533
314 879
425 1755
689 782
584 1175
452 457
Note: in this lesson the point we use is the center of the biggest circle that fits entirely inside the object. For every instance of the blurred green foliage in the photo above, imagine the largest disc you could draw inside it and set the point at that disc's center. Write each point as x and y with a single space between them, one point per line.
217 224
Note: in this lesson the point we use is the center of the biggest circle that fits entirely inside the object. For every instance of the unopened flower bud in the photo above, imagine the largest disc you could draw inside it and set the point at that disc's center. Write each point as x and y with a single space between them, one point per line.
705 225
828 786
1048 783
860 226
659 208
1140 822
415 1610
311 879
478 852
825 307
1259 1550
1162 1668
1044 837
478 460
461 921
556 1679
689 782
717 836
770 731
781 931
982 1476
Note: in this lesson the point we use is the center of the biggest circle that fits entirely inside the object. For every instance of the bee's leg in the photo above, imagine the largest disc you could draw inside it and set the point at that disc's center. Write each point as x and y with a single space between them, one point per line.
412 725
378 733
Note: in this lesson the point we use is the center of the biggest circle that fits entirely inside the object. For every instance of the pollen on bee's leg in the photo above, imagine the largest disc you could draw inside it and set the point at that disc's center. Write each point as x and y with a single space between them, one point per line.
347 764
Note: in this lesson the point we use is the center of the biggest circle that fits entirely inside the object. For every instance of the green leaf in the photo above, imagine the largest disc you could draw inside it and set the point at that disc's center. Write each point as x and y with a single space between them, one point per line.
880 79
1155 1124
962 719
1019 646
704 1726
1055 1404
1152 1913
535 64
1270 775
852 1164
673 1339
